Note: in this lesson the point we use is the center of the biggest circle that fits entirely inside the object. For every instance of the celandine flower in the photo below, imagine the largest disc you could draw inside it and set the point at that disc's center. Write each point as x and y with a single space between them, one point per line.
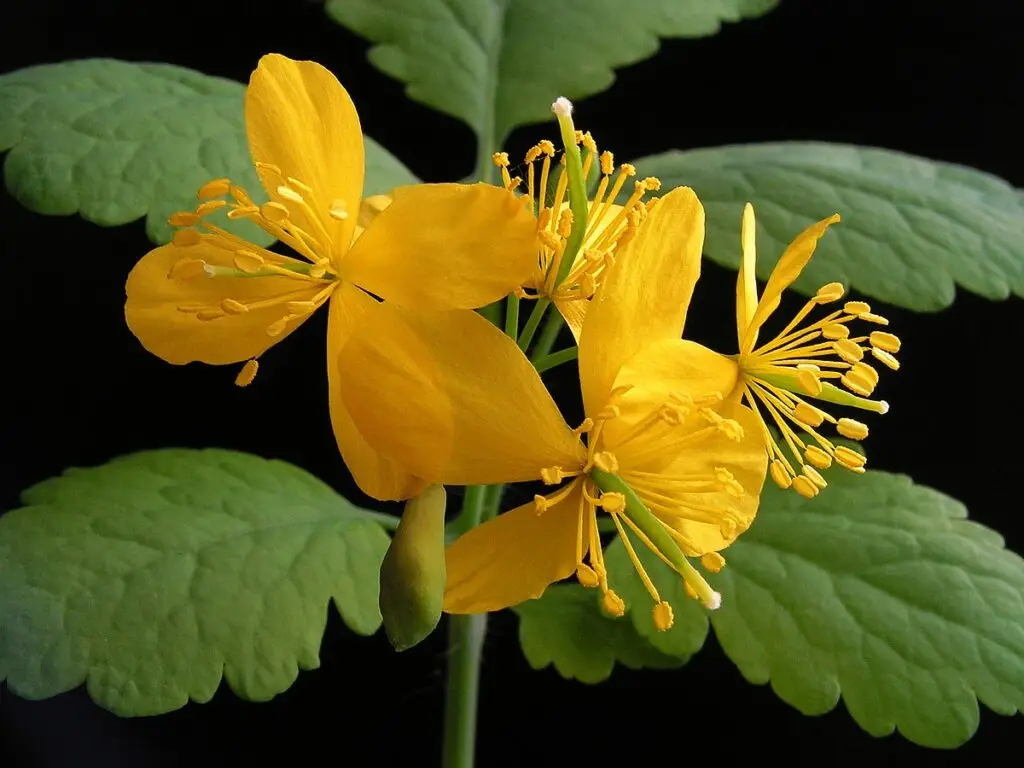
609 226
213 297
779 377
674 465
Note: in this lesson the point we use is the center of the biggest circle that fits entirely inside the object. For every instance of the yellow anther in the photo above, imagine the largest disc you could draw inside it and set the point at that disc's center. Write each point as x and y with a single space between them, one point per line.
587 285
606 461
613 604
885 358
208 207
804 486
727 527
690 591
338 210
732 429
835 331
206 315
850 459
609 412
185 238
240 196
888 342
856 308
728 482
713 562
565 223
540 503
612 502
183 219
671 414
808 414
586 576
500 159
303 188
247 374
578 136
589 143
871 317
187 269
274 169
215 188
248 261
829 293
848 350
290 194
514 182
552 475
585 426
817 457
546 147
651 184
857 384
300 307
319 269
663 617
807 378
812 474
277 327
852 429
607 163
865 370
232 307
531 154
779 474
627 169
274 212
549 239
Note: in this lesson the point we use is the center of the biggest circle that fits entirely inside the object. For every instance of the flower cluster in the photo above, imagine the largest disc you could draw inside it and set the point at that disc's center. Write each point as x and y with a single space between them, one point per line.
677 439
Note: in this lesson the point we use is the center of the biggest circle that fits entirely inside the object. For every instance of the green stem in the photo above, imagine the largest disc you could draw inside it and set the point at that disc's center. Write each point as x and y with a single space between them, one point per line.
548 362
532 322
512 316
465 643
548 336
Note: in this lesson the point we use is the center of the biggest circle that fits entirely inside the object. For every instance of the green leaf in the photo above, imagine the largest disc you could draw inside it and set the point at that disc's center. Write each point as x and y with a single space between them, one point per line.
497 64
912 228
116 141
566 627
149 576
878 590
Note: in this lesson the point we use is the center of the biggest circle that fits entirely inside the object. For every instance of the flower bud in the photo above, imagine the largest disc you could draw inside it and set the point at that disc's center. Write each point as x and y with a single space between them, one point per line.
412 575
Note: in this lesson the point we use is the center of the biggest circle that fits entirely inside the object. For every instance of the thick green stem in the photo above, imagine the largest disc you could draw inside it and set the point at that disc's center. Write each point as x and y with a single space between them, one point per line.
465 642
512 316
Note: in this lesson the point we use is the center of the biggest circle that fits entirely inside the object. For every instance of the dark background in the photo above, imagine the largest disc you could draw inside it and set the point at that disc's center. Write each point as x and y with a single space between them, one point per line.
903 75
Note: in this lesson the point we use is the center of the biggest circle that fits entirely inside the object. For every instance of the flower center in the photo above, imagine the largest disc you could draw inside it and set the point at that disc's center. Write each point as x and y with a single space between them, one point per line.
804 360
607 230
645 504
314 278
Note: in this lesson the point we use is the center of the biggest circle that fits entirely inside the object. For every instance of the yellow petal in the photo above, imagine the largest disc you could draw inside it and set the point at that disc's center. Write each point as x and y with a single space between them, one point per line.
666 372
376 475
574 312
513 557
300 120
644 296
746 460
792 263
746 281
154 297
452 398
444 246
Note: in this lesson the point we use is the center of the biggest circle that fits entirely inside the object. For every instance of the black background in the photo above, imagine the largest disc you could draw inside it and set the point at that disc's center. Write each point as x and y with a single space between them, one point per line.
80 390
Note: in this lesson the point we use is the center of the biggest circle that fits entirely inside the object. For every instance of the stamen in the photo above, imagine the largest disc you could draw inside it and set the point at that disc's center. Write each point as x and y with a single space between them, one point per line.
248 373
187 269
885 358
183 219
887 342
803 485
713 562
854 430
215 188
829 293
849 459
613 604
186 238
812 474
208 207
779 474
338 210
552 475
248 261
233 307
817 457
663 618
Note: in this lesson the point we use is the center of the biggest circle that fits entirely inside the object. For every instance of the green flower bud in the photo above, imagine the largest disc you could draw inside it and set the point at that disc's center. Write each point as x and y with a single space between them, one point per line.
412 575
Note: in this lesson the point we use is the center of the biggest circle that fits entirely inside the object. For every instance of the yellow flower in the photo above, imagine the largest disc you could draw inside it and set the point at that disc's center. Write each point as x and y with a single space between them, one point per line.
802 361
673 465
609 226
213 297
